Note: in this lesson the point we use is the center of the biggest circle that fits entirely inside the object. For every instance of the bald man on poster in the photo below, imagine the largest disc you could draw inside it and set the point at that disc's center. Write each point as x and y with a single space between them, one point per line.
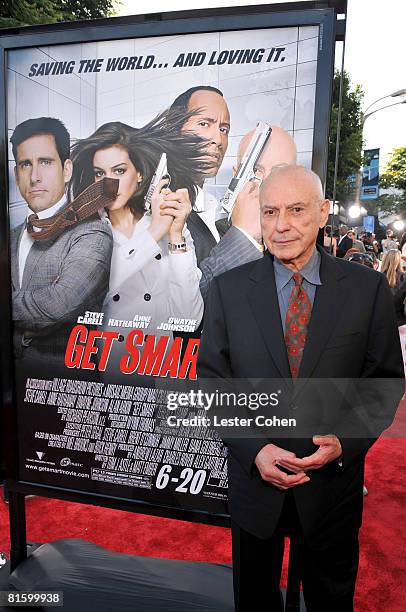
288 317
243 242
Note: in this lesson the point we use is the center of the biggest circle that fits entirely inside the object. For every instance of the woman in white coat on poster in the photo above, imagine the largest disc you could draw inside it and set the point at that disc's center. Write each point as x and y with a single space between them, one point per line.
154 274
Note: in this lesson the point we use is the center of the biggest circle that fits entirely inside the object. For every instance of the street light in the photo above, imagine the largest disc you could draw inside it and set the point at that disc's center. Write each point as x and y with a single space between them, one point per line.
395 94
381 108
399 225
354 211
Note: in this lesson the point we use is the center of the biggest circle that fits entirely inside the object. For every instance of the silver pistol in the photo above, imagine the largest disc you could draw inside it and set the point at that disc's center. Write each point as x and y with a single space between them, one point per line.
160 172
246 169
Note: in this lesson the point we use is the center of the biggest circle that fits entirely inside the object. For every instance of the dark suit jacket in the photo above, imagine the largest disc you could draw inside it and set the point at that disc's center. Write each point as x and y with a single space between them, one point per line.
399 298
203 239
352 334
345 244
234 249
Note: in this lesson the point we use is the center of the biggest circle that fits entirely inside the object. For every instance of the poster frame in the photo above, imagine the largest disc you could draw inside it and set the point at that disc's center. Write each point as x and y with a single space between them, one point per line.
185 22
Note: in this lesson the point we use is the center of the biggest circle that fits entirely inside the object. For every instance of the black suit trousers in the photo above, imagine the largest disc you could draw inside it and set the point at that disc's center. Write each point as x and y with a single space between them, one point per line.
328 572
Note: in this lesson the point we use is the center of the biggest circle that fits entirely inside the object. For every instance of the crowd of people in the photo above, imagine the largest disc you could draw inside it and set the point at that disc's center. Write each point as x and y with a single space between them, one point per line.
387 256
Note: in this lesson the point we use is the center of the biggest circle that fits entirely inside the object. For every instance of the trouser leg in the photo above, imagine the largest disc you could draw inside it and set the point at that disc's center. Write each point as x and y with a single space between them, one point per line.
257 566
328 569
329 573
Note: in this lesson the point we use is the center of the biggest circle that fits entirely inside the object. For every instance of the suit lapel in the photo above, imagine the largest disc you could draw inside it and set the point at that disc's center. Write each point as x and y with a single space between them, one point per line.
329 300
15 239
202 237
31 263
36 252
197 222
264 302
222 225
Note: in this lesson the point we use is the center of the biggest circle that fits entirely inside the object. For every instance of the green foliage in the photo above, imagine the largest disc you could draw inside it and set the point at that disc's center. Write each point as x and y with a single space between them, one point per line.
391 204
14 13
394 174
394 180
350 156
386 205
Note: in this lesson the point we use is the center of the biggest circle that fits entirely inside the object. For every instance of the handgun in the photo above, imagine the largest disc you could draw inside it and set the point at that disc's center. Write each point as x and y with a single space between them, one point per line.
160 172
246 168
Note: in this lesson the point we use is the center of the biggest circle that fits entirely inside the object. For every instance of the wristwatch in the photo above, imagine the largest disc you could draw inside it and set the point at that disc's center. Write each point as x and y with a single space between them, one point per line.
177 247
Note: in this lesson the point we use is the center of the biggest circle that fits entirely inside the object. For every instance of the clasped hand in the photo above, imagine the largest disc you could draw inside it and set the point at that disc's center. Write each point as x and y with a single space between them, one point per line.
169 210
272 456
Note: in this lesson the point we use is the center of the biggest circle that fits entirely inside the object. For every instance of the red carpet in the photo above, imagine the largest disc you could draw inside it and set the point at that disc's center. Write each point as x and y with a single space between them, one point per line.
383 540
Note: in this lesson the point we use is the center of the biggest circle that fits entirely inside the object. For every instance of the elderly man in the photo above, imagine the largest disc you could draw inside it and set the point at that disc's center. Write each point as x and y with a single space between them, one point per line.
243 242
288 317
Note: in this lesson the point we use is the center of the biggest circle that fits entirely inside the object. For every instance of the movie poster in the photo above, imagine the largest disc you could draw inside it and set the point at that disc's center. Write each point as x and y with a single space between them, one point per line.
107 305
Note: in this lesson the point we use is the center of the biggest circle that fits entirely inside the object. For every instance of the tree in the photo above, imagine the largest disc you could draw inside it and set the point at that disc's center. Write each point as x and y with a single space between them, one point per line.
15 13
350 156
393 179
394 174
388 204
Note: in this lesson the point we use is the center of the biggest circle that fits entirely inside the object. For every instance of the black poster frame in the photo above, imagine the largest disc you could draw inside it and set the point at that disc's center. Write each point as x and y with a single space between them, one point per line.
322 14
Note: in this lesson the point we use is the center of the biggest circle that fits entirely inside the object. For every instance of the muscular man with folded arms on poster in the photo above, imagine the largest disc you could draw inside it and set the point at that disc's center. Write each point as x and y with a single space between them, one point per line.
54 280
242 242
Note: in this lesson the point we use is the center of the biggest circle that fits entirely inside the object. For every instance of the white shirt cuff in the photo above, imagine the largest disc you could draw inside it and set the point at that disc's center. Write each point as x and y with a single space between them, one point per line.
251 239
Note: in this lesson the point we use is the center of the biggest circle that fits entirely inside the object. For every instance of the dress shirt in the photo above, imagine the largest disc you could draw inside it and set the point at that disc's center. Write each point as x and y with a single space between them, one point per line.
285 283
26 241
206 207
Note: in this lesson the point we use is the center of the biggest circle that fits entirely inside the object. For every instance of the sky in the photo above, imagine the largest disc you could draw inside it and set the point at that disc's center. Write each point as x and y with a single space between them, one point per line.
374 57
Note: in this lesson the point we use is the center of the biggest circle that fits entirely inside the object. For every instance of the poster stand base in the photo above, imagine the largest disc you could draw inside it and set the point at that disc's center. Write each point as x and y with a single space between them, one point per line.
95 578
91 577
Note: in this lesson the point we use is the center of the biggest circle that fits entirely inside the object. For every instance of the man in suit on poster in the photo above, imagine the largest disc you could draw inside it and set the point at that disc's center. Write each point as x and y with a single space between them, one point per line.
243 237
212 122
288 317
53 280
